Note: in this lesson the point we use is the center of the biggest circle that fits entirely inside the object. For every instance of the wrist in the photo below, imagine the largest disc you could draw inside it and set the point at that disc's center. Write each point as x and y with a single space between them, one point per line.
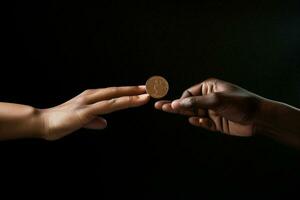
279 121
264 120
39 119
274 118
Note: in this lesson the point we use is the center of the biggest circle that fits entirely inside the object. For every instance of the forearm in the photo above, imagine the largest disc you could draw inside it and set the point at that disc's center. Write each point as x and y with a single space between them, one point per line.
279 121
19 121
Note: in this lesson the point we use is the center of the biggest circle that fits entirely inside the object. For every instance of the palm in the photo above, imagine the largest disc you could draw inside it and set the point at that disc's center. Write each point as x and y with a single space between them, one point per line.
230 127
64 119
85 109
232 118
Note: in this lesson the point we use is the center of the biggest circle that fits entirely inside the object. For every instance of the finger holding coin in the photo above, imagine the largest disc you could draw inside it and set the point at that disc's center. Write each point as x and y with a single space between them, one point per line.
157 87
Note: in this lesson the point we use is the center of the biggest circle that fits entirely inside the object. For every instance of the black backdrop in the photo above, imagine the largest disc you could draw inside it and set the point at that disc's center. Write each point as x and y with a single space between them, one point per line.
54 50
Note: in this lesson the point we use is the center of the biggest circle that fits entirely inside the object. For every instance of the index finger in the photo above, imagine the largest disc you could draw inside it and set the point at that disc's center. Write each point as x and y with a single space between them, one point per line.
114 92
166 106
108 106
192 91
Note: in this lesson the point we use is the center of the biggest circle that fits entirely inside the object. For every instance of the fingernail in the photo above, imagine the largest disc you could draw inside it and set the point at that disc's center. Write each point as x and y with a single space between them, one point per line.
143 96
142 86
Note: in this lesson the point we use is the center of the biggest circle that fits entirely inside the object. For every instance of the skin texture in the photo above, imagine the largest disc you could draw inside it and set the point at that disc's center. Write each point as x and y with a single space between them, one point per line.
22 121
220 106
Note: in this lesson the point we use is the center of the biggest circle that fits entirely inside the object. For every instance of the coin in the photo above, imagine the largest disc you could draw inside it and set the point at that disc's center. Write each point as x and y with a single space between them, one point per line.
157 87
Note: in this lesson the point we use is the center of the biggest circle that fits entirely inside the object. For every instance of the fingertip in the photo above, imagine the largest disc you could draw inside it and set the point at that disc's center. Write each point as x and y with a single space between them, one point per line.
97 124
175 104
194 120
104 122
143 87
103 126
144 97
203 122
157 105
166 107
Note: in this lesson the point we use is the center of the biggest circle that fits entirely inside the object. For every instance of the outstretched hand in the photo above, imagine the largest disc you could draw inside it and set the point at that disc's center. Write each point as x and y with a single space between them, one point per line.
217 106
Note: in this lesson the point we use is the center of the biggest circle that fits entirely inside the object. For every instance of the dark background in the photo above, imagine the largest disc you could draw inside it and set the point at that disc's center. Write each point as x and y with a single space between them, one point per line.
53 50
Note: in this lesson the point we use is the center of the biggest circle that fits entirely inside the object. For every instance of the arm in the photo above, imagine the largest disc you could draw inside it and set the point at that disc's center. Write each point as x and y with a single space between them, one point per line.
21 121
279 121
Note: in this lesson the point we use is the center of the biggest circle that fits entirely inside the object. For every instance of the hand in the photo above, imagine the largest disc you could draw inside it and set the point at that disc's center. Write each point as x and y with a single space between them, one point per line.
84 110
217 106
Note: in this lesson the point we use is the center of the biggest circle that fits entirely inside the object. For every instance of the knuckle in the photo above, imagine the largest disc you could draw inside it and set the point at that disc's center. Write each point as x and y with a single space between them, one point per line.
87 92
211 82
81 100
187 93
131 99
112 101
211 79
114 89
191 101
216 98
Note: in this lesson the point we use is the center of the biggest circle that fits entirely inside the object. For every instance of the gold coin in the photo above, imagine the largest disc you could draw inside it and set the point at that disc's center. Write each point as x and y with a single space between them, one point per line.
157 87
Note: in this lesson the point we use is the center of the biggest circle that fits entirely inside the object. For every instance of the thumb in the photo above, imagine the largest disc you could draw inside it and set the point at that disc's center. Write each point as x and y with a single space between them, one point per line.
209 101
96 123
